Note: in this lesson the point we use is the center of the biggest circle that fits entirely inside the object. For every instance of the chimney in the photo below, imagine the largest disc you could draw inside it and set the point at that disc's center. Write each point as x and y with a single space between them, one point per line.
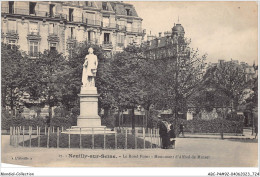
160 34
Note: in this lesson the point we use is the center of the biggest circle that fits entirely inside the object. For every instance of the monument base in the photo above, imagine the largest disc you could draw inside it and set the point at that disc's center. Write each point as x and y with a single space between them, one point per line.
88 122
89 130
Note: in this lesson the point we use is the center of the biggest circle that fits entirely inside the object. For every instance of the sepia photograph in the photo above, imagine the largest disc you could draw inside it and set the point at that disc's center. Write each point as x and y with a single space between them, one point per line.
129 84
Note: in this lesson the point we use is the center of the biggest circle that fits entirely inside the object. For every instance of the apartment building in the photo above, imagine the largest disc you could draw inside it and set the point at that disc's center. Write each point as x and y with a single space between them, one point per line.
55 25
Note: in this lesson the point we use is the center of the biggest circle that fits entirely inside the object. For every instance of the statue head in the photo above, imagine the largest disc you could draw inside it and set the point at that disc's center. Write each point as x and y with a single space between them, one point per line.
90 50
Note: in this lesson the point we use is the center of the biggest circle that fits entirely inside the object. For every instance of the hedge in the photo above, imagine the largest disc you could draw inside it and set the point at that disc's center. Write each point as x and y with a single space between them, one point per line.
211 126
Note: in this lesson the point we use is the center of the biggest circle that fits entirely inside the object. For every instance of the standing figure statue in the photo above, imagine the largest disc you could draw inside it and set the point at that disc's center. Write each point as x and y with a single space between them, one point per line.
89 69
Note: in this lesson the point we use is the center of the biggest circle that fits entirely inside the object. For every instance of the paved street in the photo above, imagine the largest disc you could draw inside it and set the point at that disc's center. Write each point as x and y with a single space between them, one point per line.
189 152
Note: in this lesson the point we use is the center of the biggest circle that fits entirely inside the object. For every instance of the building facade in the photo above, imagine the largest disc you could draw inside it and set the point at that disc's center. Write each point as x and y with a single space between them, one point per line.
37 26
169 45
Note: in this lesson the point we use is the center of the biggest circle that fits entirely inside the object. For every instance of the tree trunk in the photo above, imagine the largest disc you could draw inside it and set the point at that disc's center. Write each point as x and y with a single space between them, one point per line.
106 111
133 120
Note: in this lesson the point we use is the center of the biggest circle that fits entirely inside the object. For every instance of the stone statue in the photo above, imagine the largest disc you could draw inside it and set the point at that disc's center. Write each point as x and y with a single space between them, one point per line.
89 69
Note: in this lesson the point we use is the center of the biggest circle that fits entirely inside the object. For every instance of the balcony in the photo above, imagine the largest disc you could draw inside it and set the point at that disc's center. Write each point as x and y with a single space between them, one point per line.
121 27
108 25
21 11
53 37
12 34
33 35
107 45
120 44
91 22
71 39
134 30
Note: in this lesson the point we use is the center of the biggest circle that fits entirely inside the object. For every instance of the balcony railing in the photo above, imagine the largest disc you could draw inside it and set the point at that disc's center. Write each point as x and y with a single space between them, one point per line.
120 44
12 31
134 30
92 22
108 25
107 45
22 11
121 27
34 33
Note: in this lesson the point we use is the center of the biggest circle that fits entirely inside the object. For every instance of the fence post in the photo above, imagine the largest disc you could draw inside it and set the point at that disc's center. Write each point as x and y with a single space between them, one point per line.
48 137
144 136
39 137
115 138
151 136
23 136
30 135
69 138
126 138
17 136
61 129
105 138
58 137
10 135
80 144
93 141
135 139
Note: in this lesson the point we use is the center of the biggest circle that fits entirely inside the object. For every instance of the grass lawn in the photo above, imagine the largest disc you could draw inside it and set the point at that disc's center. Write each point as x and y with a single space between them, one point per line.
86 141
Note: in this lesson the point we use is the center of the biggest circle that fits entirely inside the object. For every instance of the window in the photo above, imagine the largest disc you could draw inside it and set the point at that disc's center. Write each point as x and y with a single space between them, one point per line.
12 43
106 38
128 12
104 6
91 36
11 26
34 28
71 15
53 46
120 40
53 29
71 33
88 3
52 6
130 40
32 7
90 18
11 7
34 48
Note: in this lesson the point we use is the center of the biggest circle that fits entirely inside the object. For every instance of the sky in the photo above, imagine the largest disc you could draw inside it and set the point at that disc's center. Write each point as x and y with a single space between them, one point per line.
223 30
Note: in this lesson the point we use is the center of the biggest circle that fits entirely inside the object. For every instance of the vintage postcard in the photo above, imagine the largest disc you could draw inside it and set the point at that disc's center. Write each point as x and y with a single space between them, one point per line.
129 84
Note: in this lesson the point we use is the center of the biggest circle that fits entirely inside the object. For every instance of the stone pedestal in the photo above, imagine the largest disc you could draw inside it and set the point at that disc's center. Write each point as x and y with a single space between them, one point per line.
88 108
88 121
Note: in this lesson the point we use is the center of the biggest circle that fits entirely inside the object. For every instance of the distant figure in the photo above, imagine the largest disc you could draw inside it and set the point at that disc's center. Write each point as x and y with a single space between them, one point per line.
181 129
172 137
163 131
256 131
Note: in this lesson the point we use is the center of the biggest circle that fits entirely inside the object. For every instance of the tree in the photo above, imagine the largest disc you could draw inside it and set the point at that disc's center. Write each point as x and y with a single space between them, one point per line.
229 82
73 76
12 80
44 79
126 75
179 76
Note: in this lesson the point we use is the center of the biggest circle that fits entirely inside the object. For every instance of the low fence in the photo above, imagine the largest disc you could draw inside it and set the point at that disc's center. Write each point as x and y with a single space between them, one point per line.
122 138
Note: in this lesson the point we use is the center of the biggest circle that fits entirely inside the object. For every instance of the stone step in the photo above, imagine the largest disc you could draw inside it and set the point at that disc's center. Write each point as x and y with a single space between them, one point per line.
88 130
